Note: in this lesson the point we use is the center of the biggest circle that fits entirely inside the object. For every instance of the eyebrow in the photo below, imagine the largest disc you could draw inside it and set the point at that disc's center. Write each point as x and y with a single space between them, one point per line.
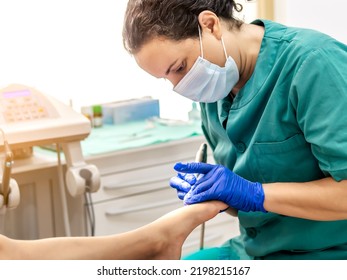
168 70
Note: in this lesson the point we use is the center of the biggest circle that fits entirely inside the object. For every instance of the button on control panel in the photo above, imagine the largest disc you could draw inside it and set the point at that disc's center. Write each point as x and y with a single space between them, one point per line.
22 105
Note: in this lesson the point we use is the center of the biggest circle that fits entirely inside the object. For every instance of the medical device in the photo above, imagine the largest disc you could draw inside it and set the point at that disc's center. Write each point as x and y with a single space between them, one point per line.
6 176
30 118
201 156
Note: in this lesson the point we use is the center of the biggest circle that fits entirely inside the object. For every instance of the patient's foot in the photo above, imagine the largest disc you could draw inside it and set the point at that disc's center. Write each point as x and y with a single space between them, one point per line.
171 230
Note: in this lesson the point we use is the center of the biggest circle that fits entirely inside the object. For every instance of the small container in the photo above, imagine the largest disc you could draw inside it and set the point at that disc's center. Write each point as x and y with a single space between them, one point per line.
97 116
194 113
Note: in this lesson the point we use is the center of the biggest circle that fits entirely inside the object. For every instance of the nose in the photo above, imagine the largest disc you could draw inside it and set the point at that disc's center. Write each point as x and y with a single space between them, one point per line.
174 79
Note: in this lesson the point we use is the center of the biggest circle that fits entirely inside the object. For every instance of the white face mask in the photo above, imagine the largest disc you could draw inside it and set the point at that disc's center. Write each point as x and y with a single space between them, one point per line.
208 82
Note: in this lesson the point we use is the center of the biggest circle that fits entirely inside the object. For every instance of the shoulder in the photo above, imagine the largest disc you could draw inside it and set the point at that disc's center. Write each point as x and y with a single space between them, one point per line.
303 39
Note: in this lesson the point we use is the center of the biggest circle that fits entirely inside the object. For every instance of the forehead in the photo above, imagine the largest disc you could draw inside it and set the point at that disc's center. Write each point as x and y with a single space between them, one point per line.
156 56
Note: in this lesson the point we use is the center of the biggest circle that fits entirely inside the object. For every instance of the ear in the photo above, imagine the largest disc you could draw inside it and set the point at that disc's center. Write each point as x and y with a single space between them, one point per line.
209 22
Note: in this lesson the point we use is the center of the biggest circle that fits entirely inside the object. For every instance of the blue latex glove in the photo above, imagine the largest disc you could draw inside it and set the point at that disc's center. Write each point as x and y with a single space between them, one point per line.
217 183
183 183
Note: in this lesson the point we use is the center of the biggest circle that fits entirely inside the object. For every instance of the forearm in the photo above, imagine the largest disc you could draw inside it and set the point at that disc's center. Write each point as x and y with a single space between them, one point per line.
324 199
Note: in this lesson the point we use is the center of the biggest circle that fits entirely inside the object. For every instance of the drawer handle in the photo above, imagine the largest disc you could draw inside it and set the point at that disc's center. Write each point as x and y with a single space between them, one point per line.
115 212
135 183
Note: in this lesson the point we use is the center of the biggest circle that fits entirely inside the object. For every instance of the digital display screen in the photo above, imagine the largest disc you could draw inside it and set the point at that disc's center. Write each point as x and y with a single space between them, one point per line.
17 93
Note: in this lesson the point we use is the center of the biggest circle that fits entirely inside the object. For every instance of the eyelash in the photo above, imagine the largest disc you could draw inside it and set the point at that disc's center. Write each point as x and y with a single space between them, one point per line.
180 68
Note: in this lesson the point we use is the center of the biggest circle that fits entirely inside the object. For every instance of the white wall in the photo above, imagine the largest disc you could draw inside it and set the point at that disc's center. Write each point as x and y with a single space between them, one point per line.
325 16
73 48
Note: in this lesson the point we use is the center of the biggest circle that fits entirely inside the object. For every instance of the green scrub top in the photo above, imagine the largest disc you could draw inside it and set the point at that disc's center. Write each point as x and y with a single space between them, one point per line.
287 124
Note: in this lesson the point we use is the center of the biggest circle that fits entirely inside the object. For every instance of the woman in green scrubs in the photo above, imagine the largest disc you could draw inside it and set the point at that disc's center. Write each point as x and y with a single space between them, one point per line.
273 104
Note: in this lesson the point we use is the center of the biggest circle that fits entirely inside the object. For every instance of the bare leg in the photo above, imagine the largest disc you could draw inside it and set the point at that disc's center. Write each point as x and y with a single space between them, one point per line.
161 239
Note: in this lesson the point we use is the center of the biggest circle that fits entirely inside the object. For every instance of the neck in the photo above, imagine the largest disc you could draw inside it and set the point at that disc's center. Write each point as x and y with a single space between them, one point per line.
244 46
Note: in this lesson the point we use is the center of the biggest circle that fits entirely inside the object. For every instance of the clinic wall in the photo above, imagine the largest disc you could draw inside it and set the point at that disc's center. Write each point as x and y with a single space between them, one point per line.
73 51
325 16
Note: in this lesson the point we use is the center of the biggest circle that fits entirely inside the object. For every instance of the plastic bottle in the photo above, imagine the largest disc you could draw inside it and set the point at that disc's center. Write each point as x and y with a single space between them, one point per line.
194 113
97 116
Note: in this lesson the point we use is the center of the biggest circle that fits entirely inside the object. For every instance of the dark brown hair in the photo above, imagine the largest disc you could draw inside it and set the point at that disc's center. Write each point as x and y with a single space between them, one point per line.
172 19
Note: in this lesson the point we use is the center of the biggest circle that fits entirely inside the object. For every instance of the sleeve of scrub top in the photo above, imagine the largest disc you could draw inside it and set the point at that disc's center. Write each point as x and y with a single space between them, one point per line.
320 97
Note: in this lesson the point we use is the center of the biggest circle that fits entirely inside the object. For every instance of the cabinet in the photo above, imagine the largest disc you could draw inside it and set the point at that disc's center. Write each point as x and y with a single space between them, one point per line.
40 212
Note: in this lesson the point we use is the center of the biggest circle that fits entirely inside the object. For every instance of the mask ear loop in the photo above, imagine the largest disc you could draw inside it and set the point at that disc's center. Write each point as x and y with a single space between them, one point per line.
225 51
201 49
200 38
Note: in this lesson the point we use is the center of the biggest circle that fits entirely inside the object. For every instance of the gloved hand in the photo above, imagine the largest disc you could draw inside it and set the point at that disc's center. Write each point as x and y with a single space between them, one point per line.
183 183
13 196
217 183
